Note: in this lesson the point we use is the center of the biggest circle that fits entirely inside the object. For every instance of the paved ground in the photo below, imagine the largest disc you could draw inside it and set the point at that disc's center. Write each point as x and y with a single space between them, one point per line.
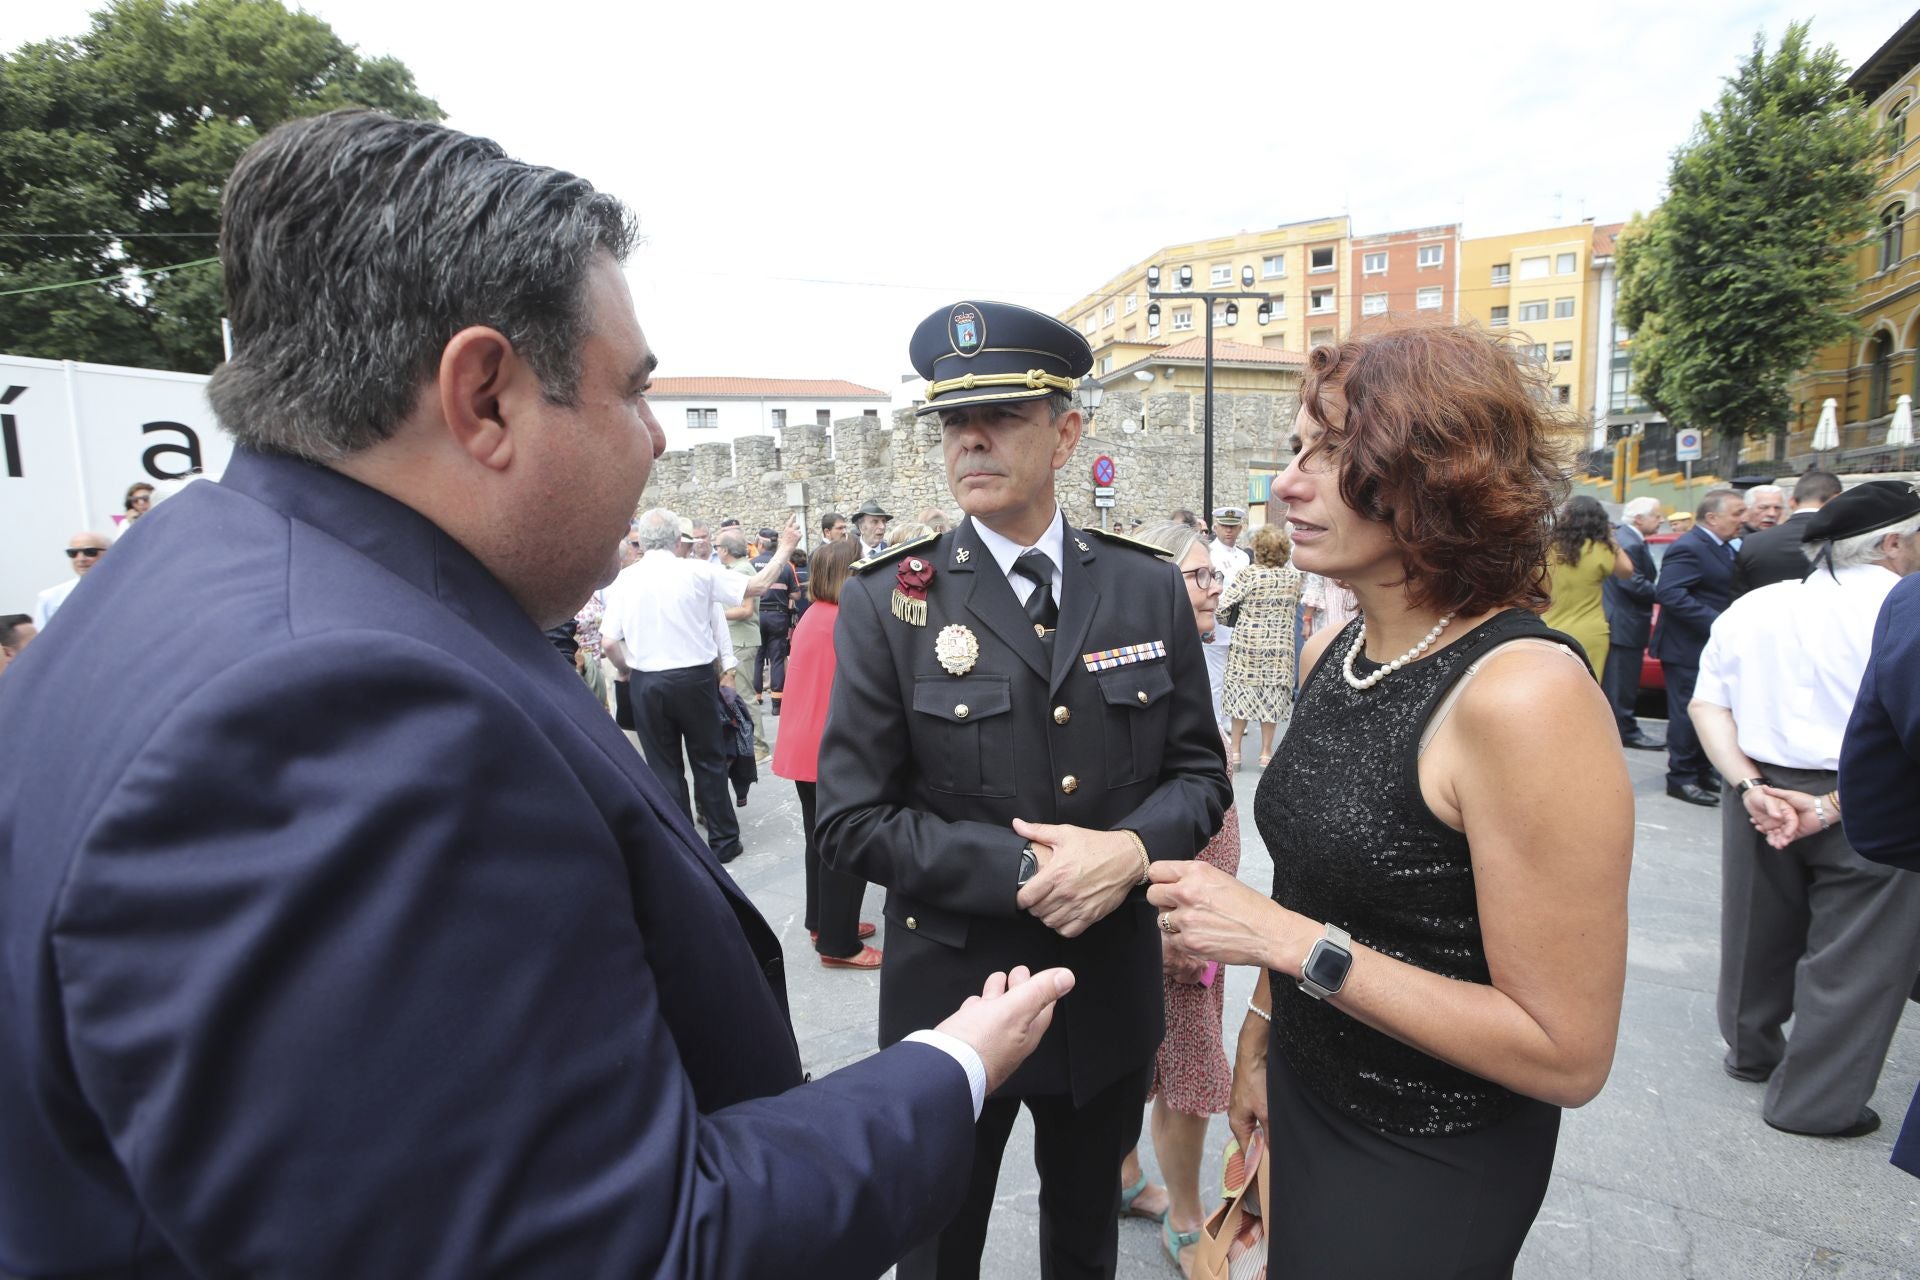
1669 1173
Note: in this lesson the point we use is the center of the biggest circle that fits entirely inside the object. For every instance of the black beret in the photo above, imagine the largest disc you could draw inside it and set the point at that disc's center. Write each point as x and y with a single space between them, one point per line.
1877 504
995 353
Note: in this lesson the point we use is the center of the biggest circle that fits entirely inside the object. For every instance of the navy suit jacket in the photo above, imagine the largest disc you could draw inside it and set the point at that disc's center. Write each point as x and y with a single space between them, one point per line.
1694 588
1629 602
342 934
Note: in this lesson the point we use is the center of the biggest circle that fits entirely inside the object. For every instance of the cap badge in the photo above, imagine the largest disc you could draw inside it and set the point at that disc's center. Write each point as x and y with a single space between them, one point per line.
957 648
966 330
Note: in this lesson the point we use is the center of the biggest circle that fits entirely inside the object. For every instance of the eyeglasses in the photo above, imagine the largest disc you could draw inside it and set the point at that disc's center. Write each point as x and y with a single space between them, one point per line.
634 545
1203 577
73 552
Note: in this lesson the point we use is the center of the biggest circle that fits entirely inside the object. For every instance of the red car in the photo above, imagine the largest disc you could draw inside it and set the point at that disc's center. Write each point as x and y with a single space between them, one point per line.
1651 675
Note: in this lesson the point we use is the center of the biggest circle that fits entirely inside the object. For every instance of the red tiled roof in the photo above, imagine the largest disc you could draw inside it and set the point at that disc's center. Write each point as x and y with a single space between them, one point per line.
1230 352
764 389
1604 236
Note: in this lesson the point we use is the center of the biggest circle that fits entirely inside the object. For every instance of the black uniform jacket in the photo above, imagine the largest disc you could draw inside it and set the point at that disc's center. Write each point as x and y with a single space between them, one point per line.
1772 555
922 772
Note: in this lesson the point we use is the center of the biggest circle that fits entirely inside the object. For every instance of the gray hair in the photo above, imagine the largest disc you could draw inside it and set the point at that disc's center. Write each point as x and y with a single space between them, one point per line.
1714 502
1170 536
657 529
1638 507
355 246
1864 548
1773 489
732 543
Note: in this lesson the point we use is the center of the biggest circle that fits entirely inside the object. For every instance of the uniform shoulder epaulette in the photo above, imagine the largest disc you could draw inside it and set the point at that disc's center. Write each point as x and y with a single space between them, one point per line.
1122 540
884 557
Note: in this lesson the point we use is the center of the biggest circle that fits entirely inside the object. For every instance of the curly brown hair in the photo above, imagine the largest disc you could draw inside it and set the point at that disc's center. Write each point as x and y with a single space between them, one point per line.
1271 545
1446 438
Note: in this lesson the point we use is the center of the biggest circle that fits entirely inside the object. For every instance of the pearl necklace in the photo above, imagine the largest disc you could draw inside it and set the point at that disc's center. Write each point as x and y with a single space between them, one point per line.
1360 640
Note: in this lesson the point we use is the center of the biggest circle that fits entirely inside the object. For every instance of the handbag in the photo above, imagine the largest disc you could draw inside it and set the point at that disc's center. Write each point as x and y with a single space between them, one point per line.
1233 1240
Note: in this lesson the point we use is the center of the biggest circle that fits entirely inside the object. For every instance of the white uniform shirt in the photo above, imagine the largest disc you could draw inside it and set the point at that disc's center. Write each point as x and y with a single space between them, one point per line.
666 613
1227 561
48 602
1005 551
1787 661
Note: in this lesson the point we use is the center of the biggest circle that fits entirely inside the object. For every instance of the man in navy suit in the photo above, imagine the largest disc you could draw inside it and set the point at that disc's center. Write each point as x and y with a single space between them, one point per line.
1694 587
370 947
1629 608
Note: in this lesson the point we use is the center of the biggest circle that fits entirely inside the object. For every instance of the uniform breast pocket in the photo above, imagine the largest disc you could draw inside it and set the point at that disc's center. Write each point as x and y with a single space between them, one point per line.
1137 702
963 734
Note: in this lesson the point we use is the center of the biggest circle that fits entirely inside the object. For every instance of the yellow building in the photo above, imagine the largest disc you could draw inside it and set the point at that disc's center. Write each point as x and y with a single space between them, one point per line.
1868 374
1305 266
1541 287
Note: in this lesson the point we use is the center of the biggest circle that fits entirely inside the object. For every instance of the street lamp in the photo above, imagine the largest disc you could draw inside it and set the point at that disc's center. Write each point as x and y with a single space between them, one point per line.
1232 315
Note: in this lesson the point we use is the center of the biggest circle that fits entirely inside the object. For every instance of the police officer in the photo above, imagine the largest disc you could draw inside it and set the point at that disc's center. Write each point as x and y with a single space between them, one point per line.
1028 724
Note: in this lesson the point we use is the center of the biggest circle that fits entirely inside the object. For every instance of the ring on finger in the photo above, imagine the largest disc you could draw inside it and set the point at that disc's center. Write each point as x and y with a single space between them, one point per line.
1166 923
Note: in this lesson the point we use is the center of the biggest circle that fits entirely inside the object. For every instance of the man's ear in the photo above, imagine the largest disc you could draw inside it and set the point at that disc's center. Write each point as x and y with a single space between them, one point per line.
1068 425
481 378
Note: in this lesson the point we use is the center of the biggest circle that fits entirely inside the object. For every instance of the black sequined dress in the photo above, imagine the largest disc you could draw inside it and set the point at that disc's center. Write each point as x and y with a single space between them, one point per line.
1449 1168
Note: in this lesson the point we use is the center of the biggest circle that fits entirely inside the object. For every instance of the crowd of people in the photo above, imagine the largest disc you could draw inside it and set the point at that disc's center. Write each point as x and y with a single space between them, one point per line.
387 904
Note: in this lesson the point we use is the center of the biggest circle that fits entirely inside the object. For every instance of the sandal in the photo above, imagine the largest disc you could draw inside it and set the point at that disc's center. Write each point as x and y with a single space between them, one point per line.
1175 1241
1130 1194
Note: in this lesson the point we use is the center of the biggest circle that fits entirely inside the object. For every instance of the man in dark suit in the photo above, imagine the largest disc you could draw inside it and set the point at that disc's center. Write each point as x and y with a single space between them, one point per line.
1028 724
1775 555
1695 586
1629 608
376 950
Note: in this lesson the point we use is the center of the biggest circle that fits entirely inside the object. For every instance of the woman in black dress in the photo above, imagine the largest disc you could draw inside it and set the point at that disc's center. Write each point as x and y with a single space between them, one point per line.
1451 827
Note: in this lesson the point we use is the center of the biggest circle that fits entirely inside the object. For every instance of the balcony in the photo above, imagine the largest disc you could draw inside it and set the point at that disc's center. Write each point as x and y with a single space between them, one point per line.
1863 448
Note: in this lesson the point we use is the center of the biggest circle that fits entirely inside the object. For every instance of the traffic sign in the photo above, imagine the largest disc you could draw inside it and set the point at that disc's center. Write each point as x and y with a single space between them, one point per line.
1103 471
1103 491
1103 502
1686 444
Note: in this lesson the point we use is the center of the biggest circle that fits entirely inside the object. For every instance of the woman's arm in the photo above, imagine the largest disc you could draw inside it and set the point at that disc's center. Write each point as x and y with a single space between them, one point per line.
1247 1105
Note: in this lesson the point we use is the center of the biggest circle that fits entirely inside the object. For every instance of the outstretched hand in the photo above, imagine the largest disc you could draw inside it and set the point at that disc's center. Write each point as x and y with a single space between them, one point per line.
1005 1021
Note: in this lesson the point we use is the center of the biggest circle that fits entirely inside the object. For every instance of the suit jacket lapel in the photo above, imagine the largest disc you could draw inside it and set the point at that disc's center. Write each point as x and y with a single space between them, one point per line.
992 601
1079 598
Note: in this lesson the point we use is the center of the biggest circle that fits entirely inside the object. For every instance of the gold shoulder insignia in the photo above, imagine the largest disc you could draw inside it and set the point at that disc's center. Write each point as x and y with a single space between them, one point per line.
891 553
1122 540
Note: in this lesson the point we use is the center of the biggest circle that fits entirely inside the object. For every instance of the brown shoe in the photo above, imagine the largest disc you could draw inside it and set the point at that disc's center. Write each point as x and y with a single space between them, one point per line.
864 958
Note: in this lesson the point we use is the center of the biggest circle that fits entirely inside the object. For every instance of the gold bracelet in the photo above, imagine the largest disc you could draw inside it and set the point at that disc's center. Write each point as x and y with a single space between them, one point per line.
1146 863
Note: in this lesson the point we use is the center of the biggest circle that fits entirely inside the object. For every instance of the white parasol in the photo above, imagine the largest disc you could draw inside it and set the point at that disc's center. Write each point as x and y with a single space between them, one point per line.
1900 430
1827 434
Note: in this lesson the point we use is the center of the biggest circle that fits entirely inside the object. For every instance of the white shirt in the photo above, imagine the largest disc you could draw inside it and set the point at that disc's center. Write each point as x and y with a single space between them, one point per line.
1005 551
1227 561
667 613
964 1054
48 602
1787 661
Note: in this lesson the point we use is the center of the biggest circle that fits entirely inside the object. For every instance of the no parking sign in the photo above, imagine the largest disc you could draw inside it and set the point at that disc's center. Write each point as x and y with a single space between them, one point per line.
1686 444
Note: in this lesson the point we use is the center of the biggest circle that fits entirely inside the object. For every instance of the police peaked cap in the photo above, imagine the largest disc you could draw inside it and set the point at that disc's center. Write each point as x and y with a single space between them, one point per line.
1877 504
995 353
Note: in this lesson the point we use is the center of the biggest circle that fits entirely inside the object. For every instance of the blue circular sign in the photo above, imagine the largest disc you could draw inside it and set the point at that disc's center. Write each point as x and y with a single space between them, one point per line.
1103 471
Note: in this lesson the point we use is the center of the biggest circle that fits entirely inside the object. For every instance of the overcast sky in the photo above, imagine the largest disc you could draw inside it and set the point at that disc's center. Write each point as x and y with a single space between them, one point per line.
812 180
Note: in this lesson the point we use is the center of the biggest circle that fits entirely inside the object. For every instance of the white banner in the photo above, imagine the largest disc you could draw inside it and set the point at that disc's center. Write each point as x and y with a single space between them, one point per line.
72 438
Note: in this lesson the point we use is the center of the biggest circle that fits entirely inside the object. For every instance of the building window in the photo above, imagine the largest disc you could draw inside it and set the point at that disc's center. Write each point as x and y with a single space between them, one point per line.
1533 311
1088 325
779 417
1427 300
1133 303
1320 338
702 419
1880 375
1892 219
870 413
1106 317
1897 123
1499 318
1220 313
1432 255
1183 319
1563 264
1373 304
1133 332
1563 308
1373 264
1153 327
1106 364
1533 268
1319 302
1221 273
1501 273
1538 352
1273 266
1320 259
1562 352
1279 309
823 417
1562 395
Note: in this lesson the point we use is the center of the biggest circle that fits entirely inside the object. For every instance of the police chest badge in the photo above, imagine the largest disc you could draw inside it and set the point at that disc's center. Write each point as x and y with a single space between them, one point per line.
966 330
910 591
957 649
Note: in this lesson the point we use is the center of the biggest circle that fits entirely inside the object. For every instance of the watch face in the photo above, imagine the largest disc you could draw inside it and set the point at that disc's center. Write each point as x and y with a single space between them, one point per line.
1327 965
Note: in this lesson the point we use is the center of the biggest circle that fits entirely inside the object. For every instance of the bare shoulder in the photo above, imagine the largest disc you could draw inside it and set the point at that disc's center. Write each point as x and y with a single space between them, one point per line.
1310 652
1536 695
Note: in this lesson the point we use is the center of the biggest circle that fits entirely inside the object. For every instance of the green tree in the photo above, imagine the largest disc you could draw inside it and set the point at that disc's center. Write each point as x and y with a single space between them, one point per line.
116 147
1739 277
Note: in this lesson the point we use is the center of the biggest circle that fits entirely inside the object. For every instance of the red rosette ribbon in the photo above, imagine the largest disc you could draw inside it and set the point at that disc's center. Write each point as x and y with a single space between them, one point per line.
913 577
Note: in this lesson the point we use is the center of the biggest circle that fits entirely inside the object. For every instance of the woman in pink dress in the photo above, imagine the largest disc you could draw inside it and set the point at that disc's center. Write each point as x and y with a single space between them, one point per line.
1191 1078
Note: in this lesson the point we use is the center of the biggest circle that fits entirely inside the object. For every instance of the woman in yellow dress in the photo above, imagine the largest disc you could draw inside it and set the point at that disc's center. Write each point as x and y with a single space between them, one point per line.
1581 555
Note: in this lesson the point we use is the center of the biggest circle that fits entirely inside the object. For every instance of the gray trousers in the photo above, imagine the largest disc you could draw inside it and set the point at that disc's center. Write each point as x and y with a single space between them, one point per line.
1817 933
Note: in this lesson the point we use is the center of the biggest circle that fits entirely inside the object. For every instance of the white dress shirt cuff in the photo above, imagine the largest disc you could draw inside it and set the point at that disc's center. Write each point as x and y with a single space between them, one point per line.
964 1054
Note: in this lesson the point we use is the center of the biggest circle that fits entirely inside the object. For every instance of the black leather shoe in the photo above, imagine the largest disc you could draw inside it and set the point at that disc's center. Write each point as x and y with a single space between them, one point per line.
1710 783
1641 742
1748 1075
1869 1121
1692 794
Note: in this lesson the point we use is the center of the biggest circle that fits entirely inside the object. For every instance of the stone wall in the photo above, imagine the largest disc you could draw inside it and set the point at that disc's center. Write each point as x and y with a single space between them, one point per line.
1155 443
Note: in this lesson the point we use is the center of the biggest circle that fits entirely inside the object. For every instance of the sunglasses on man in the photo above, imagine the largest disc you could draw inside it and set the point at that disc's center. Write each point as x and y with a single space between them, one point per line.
85 551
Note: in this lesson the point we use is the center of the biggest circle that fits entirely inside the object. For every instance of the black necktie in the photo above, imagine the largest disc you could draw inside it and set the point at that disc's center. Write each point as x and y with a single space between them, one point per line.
1033 565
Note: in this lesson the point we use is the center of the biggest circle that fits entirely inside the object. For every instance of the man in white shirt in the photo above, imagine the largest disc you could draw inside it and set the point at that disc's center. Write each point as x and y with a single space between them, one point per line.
1812 931
84 550
665 629
1228 560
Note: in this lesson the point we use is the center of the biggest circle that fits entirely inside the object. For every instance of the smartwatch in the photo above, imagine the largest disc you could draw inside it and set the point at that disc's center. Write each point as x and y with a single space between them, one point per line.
1325 970
1029 864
